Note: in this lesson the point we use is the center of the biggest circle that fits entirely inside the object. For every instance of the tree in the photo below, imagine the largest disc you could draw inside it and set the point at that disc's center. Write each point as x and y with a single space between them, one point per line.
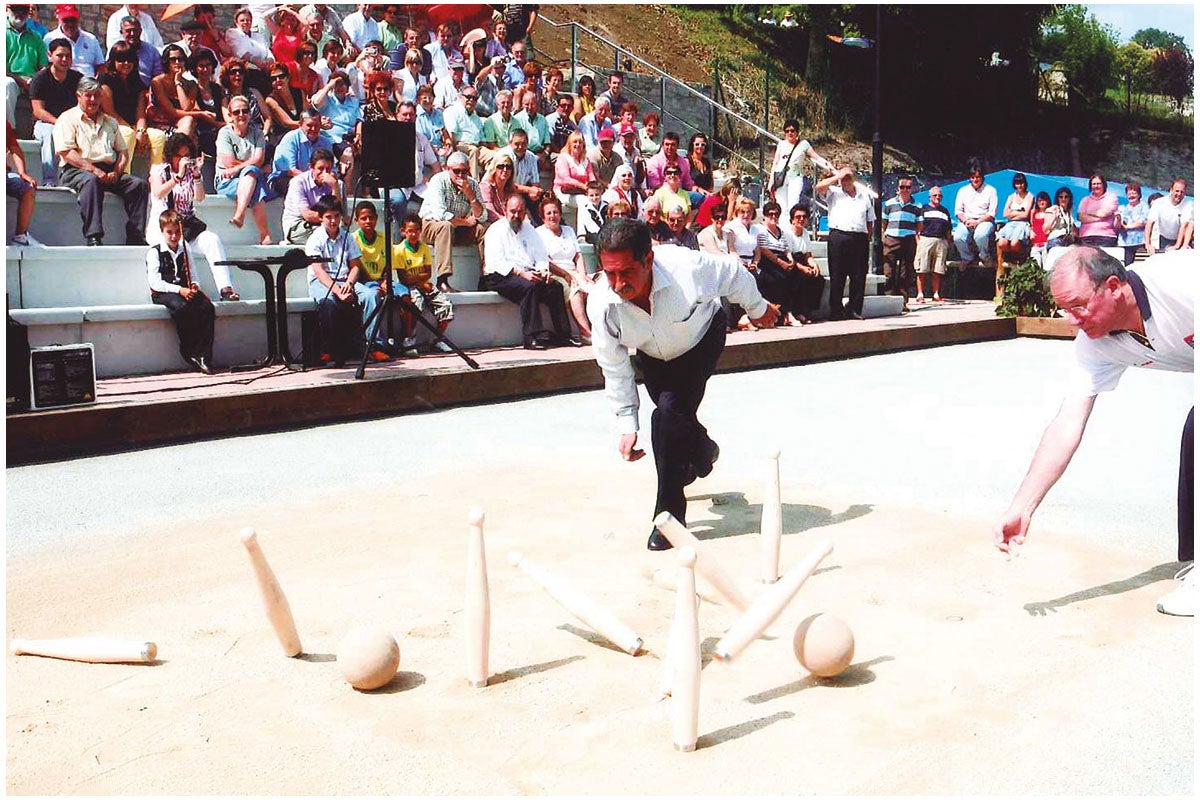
1174 73
1153 38
1133 65
1084 47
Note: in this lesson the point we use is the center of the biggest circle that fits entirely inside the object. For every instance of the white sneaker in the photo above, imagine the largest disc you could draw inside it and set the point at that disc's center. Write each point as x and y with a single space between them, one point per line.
441 345
1182 601
25 240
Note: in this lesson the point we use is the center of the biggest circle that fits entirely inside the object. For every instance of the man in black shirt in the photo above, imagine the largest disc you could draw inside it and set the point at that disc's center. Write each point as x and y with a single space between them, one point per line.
933 242
51 92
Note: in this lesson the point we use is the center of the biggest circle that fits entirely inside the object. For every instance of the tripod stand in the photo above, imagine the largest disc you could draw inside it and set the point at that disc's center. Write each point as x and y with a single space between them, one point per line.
371 326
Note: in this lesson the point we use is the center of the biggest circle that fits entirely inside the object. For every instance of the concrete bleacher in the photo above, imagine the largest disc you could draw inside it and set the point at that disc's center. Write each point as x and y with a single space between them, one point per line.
67 293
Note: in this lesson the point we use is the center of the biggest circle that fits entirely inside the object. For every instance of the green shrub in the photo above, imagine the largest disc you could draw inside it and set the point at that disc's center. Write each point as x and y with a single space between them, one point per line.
1026 293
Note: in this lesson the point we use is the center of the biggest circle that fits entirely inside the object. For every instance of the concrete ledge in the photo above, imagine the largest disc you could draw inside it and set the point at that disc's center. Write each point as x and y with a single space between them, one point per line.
113 426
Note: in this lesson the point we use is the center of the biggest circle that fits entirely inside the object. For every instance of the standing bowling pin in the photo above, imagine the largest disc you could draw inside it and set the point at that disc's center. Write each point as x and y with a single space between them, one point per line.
772 521
751 624
477 610
582 607
706 565
278 610
684 653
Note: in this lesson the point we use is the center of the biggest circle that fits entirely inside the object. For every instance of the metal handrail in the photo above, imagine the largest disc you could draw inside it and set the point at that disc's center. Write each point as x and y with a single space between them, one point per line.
661 74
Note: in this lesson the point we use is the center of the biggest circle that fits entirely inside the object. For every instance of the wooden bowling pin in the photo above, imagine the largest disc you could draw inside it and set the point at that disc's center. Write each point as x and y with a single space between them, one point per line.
706 565
772 521
751 624
665 579
93 649
582 607
477 609
278 610
685 656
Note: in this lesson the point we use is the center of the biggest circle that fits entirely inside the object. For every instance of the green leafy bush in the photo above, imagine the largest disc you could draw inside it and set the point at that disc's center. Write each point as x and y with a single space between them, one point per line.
1026 293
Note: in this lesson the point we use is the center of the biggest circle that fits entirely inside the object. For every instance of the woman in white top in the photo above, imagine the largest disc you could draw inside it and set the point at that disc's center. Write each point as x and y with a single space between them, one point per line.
717 238
621 188
175 184
409 78
745 232
566 262
789 158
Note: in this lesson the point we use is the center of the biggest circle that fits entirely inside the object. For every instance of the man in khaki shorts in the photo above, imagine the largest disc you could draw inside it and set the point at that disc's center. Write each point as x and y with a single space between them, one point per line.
933 241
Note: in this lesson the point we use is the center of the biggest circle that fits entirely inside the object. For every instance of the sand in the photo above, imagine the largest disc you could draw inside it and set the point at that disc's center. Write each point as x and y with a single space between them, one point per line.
1050 673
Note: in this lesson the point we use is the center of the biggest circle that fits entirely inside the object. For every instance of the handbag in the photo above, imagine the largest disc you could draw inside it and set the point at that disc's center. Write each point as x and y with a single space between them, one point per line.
780 175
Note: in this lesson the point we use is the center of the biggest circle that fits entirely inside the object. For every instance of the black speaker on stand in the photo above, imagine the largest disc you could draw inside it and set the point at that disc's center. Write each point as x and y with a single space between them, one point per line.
389 161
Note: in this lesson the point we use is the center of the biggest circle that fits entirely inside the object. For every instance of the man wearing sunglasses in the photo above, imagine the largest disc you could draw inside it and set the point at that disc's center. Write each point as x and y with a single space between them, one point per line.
1141 317
453 210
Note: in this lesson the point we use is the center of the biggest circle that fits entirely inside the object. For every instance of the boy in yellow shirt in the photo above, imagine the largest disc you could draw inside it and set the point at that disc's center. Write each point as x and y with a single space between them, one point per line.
371 243
414 267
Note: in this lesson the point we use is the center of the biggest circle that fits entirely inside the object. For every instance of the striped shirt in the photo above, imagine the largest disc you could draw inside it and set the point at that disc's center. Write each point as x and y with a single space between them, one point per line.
901 218
935 221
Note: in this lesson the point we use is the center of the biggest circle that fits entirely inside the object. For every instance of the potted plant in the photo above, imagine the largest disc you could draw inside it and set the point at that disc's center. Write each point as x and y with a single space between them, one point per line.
1027 297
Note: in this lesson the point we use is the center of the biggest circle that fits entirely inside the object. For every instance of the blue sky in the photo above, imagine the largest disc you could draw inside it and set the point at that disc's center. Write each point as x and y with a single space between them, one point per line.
1129 18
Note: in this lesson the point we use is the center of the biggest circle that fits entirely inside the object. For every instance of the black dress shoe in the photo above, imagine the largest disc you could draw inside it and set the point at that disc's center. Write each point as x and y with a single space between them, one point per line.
574 341
534 344
855 315
94 241
658 542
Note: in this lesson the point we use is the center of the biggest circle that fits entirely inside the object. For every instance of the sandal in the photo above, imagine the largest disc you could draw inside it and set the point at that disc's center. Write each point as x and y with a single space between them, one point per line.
229 293
267 240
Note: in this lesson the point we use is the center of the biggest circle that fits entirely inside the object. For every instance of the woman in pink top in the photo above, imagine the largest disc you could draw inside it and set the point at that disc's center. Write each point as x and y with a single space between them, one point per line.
572 173
1097 215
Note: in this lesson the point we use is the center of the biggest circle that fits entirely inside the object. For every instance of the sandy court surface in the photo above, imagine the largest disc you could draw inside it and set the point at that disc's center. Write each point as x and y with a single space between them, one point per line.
1048 674
971 674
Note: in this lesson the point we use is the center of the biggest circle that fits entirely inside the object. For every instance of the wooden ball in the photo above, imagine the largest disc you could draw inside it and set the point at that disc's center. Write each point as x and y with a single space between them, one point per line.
368 657
823 645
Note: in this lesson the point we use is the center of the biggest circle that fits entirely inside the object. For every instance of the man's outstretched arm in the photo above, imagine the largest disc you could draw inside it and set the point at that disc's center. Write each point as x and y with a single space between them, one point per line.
1054 453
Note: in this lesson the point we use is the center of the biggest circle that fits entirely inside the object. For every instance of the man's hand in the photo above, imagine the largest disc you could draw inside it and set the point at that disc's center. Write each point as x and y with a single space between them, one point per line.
627 447
326 123
768 319
1010 531
327 179
343 291
187 293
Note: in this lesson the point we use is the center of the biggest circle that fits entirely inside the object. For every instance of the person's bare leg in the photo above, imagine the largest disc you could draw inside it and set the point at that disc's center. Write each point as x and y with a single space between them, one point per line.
920 287
245 188
25 211
259 212
937 285
579 310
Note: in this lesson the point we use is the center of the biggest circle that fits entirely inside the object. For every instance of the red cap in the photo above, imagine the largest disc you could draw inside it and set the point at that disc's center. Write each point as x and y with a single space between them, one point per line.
64 10
626 128
605 134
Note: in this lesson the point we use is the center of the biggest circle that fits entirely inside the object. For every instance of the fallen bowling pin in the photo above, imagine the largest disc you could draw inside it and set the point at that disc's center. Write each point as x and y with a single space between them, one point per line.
824 645
706 565
278 610
770 604
92 649
684 655
772 521
580 606
477 609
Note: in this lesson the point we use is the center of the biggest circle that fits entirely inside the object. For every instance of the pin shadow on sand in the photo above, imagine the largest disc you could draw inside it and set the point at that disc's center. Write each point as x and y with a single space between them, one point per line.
855 675
1163 572
738 516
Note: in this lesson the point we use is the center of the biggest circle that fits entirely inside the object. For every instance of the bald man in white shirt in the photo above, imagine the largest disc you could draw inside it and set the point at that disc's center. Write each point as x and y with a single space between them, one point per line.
665 303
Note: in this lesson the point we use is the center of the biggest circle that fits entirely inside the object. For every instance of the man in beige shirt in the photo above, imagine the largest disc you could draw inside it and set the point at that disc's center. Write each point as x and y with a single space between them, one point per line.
92 155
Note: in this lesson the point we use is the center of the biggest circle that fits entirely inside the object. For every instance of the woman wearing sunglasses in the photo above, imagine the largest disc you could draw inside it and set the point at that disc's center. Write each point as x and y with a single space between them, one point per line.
787 168
233 81
124 96
241 150
172 96
282 105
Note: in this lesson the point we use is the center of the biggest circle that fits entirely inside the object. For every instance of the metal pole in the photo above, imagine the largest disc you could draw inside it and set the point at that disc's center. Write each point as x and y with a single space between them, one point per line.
617 64
766 116
662 102
877 149
574 54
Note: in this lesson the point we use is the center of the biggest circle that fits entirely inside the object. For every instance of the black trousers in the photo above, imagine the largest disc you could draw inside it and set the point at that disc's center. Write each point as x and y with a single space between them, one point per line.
527 295
795 292
195 321
898 257
676 388
1187 513
134 191
339 321
847 261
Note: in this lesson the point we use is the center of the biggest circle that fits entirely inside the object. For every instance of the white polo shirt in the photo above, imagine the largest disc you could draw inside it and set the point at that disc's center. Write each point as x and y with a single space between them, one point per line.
1165 288
1168 218
849 214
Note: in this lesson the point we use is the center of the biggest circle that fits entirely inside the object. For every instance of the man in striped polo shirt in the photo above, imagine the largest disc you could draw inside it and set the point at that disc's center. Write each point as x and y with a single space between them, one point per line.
900 239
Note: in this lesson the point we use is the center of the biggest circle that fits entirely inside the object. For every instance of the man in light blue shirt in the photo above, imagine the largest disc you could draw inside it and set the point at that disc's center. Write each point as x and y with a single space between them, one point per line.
466 128
296 149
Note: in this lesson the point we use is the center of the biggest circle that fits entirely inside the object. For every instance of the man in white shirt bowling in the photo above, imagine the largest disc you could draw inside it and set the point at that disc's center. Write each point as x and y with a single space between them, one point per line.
665 303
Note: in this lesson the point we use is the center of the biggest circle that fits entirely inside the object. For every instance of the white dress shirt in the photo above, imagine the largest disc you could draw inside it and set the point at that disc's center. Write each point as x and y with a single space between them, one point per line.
150 34
154 277
686 291
976 204
360 29
504 250
849 214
